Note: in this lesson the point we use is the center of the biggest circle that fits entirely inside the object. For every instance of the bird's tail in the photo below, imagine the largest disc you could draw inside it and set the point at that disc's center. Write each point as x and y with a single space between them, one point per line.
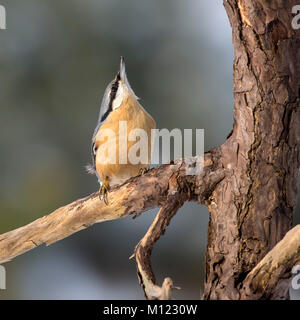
90 169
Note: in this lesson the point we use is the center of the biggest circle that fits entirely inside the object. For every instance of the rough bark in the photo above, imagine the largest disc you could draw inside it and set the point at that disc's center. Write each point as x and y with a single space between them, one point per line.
253 206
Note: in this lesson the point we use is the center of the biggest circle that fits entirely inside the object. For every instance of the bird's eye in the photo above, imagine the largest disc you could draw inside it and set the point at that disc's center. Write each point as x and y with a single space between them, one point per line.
114 88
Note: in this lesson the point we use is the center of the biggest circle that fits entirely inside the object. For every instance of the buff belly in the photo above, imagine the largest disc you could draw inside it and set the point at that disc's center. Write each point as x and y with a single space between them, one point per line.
110 164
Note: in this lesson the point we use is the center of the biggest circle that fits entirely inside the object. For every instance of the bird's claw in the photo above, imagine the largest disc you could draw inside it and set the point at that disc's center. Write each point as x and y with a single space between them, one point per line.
103 192
143 171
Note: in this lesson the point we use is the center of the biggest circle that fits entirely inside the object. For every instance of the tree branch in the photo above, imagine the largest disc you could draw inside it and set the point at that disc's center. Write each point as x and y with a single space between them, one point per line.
144 248
262 282
167 186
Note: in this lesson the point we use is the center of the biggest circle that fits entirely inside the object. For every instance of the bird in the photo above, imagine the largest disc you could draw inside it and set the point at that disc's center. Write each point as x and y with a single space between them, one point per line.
119 105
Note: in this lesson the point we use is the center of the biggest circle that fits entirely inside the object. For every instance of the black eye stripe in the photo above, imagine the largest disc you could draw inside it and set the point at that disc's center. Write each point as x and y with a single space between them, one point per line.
114 89
113 93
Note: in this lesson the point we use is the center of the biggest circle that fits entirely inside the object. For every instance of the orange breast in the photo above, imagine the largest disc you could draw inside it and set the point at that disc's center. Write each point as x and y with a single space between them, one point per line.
113 147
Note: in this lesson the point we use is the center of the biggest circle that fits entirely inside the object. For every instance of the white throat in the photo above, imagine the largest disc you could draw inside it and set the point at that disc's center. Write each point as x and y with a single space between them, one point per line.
119 97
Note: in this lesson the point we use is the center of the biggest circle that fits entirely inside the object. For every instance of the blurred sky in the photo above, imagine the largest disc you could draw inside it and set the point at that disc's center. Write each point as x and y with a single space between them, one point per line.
56 59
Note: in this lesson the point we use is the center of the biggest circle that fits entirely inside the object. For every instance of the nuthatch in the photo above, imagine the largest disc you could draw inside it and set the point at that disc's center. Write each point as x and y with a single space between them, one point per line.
119 104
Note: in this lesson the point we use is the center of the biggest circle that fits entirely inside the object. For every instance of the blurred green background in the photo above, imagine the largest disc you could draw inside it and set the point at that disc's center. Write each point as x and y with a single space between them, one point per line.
56 58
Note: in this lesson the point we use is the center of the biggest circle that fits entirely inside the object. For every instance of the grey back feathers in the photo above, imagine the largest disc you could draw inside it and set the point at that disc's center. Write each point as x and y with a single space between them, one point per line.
106 104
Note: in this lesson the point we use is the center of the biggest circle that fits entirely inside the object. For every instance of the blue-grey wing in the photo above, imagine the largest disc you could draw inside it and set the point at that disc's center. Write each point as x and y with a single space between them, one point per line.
105 109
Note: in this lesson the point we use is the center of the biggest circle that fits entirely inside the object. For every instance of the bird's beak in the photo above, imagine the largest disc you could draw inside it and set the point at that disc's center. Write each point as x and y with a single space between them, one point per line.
122 69
123 77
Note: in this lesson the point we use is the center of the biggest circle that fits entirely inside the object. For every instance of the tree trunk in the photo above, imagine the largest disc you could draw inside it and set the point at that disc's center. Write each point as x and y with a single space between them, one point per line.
251 209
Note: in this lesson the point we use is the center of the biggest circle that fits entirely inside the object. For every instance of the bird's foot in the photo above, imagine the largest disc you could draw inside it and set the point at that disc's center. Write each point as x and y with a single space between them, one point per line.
143 171
104 191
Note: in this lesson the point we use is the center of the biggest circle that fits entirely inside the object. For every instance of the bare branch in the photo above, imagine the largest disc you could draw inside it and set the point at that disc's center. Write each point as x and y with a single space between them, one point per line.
137 195
262 281
144 248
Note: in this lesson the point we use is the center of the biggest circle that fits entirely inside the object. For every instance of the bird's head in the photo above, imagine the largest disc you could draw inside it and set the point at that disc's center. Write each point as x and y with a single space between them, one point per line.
116 92
120 87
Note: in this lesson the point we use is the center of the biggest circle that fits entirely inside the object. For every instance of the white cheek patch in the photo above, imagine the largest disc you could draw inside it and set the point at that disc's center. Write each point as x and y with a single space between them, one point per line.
119 98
